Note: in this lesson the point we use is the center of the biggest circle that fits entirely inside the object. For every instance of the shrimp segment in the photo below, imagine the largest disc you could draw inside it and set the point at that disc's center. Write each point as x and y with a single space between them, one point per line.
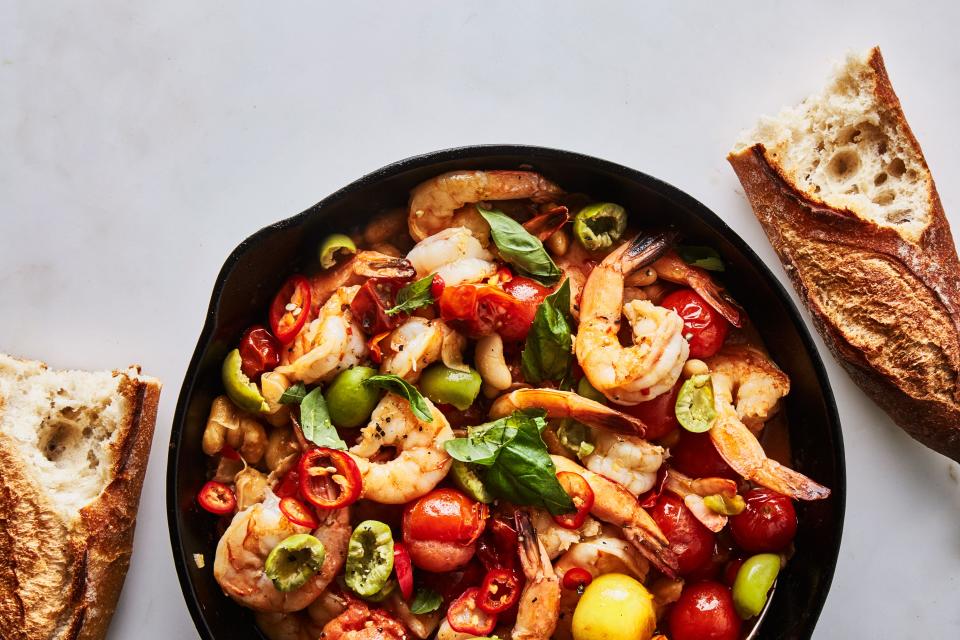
672 268
360 622
566 404
419 342
421 461
539 608
434 203
254 532
455 255
355 271
614 504
633 462
649 367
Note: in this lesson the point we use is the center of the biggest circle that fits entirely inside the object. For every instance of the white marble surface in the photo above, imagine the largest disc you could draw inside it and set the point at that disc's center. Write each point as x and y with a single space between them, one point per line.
140 144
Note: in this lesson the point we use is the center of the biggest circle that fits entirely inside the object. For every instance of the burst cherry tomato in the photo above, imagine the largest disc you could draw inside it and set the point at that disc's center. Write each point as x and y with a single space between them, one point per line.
404 569
466 616
691 541
768 524
707 328
326 490
480 310
499 591
259 352
286 323
704 612
298 513
450 585
441 529
695 455
370 304
658 414
217 498
580 493
577 579
497 547
289 485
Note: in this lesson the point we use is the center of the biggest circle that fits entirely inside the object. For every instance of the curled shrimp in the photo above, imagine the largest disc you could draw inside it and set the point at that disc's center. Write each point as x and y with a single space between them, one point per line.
672 268
736 443
327 345
631 461
253 533
649 367
539 608
566 404
455 255
355 271
612 503
692 492
421 462
419 342
361 622
438 203
756 383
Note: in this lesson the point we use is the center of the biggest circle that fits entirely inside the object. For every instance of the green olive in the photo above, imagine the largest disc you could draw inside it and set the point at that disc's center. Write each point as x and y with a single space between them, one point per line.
725 506
241 390
331 246
753 582
369 557
450 386
598 226
294 561
587 390
465 476
349 401
694 406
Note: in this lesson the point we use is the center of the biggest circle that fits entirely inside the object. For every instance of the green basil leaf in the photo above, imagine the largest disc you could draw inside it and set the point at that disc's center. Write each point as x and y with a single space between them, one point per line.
413 296
483 443
425 601
548 351
521 249
315 422
396 384
293 394
703 257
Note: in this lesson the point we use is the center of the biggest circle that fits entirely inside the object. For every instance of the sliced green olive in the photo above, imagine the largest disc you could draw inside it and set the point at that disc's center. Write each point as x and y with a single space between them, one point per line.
333 245
450 386
294 561
349 401
369 557
752 585
575 436
241 390
694 406
587 390
725 506
465 476
598 226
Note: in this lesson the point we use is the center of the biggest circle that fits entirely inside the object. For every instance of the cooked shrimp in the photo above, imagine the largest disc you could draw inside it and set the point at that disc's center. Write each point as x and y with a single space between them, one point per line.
740 448
446 632
756 382
360 622
604 554
554 538
436 204
649 367
252 535
421 461
419 342
539 608
455 255
692 491
576 265
614 504
631 461
355 271
327 345
672 268
566 404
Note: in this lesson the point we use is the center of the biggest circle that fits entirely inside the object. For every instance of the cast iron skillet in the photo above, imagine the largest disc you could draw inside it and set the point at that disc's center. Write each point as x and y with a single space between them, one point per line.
259 265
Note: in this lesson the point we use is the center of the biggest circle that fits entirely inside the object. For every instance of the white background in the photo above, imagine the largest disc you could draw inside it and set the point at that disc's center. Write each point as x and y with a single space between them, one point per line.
139 145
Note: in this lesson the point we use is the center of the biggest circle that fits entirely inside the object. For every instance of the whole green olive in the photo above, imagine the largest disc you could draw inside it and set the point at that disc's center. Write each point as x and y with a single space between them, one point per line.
369 558
753 582
450 386
333 245
349 401
598 226
294 561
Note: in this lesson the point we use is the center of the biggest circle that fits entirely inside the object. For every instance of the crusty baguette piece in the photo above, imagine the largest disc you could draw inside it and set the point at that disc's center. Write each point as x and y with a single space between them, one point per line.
845 196
73 452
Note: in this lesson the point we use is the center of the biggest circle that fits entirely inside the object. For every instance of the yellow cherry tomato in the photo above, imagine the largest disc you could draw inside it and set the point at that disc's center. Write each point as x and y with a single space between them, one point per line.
614 607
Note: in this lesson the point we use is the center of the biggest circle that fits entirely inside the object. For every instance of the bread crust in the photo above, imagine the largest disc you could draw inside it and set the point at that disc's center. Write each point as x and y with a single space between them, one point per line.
888 308
61 580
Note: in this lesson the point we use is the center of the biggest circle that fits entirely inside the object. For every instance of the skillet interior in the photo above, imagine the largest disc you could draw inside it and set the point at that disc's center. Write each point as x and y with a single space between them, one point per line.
258 266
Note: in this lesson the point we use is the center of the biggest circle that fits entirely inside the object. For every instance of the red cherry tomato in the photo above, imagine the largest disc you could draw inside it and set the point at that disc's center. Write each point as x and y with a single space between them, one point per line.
259 352
497 547
370 304
691 541
480 310
695 455
659 414
730 571
286 324
450 584
437 286
707 328
446 515
577 579
499 591
704 612
289 485
404 569
217 498
298 513
466 616
580 493
768 524
326 490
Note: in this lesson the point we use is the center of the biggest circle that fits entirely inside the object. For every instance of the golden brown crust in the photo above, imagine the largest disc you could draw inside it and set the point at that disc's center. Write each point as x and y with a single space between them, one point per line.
888 308
61 580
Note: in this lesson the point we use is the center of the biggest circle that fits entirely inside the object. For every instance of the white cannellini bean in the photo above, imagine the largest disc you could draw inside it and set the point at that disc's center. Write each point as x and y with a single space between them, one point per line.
694 367
490 362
